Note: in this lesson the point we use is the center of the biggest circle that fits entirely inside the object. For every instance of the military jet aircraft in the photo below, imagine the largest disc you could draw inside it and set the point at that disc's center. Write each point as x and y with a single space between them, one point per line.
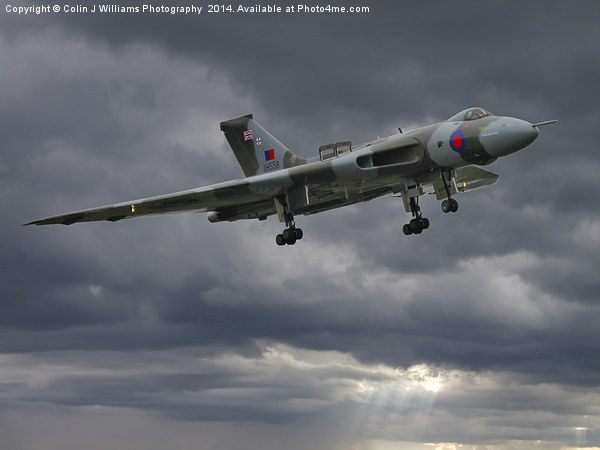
440 159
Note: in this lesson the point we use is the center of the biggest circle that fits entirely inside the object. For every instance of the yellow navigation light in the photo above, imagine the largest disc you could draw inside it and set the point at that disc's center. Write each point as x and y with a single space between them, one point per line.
132 208
464 184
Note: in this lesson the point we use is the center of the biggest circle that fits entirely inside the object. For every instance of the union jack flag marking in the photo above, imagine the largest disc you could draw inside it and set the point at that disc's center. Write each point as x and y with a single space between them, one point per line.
258 141
248 135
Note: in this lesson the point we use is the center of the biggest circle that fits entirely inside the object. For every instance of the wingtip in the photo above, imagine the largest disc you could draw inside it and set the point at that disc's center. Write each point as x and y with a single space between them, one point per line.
40 222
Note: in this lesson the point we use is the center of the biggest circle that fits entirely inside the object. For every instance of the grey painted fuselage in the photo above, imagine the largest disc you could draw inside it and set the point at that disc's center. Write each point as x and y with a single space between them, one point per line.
389 165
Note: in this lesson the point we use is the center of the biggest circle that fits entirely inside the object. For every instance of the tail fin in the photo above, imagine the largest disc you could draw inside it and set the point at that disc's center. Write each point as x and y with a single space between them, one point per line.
255 148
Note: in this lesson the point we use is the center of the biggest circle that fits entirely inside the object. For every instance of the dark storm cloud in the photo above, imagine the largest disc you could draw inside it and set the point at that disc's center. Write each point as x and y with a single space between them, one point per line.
98 109
407 64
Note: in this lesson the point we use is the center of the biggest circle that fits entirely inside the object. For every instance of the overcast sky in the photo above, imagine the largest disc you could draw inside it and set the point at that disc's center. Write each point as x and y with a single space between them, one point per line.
171 332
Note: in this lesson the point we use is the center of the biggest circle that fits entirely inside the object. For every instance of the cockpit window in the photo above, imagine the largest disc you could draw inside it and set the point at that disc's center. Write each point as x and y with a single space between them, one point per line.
470 114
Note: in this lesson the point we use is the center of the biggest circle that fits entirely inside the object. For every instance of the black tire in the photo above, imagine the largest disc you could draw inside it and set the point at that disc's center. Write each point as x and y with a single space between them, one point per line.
416 225
279 239
446 206
454 205
299 233
289 236
425 223
407 230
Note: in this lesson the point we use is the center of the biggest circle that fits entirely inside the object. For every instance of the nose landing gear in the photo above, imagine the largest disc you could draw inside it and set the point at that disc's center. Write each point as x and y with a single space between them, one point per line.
450 204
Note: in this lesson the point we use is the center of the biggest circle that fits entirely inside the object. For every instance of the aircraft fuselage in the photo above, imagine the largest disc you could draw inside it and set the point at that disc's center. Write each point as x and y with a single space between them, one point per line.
441 159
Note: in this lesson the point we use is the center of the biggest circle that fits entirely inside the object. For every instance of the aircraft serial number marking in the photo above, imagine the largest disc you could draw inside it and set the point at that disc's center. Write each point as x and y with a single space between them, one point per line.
271 166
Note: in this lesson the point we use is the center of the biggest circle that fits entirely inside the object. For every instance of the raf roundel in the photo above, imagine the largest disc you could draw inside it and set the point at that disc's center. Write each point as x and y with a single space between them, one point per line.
457 141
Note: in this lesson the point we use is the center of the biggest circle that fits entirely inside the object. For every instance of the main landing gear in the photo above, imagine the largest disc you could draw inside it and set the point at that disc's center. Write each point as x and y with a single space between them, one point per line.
418 223
450 204
291 234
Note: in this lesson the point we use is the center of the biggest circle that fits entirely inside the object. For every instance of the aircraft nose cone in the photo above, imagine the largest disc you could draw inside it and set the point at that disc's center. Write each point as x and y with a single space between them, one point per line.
507 135
525 133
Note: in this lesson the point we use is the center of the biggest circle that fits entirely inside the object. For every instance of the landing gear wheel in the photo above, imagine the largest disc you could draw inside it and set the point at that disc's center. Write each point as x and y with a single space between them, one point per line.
289 236
416 226
279 239
299 233
446 206
454 206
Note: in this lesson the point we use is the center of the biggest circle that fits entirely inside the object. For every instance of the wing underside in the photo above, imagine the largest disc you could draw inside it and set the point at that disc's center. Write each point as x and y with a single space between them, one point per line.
252 198
333 195
228 195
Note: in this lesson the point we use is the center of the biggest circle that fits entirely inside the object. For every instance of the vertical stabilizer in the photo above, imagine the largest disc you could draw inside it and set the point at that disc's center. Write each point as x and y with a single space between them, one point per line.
255 148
